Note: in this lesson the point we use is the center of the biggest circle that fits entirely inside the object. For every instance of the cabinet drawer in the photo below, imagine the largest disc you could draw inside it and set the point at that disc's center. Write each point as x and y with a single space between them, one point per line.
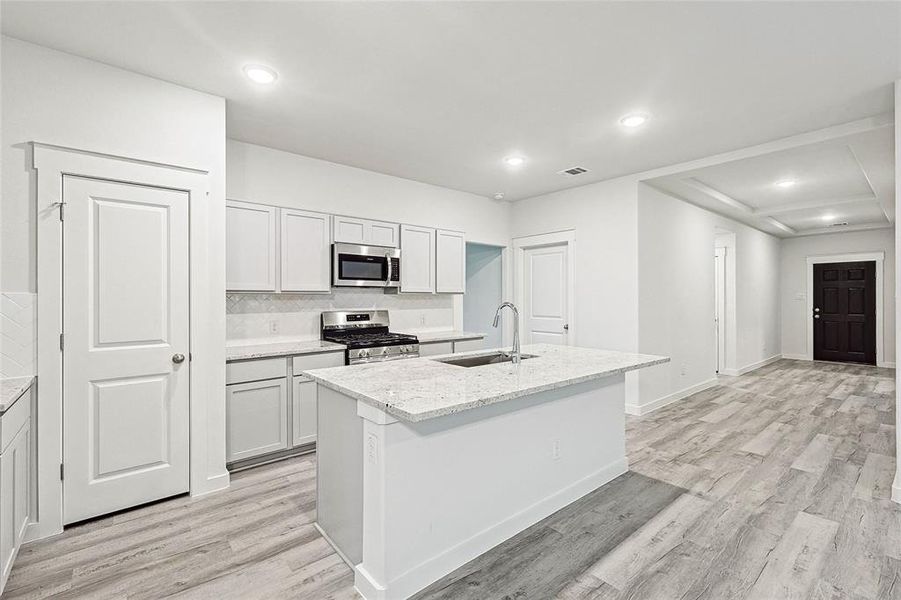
307 362
255 370
12 420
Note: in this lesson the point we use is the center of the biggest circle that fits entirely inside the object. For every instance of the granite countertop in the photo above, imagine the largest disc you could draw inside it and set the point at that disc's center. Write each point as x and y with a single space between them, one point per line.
447 335
421 388
276 346
11 389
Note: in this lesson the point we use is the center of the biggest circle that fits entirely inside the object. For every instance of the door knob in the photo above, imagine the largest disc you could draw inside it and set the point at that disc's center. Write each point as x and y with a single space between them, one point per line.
178 358
566 327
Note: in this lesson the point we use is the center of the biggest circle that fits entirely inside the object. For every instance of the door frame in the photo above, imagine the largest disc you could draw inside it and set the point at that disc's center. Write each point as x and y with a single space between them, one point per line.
207 461
521 244
879 259
720 253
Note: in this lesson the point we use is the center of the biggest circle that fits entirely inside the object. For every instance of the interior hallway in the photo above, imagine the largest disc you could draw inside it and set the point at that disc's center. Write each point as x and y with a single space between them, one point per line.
774 484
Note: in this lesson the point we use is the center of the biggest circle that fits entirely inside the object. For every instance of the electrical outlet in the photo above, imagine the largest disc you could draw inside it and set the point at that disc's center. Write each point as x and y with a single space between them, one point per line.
684 369
372 449
422 318
555 449
273 326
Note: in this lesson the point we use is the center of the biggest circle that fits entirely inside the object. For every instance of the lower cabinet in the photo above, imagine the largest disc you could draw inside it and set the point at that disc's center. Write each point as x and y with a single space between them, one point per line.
304 398
15 481
257 416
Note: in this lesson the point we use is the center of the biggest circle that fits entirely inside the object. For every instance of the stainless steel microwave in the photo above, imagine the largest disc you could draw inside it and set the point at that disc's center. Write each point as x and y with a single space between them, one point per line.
365 266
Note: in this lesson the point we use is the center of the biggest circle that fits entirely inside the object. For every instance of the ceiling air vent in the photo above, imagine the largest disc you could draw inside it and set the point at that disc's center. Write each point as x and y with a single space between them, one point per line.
572 171
841 224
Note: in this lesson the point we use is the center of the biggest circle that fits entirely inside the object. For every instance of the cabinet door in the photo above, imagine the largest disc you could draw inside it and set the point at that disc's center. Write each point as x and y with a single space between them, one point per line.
436 348
250 246
7 511
304 251
450 250
21 449
417 259
349 230
382 234
257 418
303 429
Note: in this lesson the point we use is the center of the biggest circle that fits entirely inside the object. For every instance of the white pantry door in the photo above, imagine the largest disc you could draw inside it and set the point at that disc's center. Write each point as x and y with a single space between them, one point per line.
546 287
125 321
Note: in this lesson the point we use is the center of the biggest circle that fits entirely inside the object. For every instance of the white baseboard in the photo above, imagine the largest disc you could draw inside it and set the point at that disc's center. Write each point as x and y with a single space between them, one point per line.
643 409
886 364
896 489
795 356
438 566
214 483
753 366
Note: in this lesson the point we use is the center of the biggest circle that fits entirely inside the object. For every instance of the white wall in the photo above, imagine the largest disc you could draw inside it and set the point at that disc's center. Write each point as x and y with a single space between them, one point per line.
896 486
268 176
484 291
794 277
56 98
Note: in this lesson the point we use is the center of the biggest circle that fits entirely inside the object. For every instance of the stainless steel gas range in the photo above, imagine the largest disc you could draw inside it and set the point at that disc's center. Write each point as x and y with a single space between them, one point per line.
366 335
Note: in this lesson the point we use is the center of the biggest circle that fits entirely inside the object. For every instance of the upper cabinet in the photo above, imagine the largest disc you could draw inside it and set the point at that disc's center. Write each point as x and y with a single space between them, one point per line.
304 251
251 247
417 259
450 261
350 230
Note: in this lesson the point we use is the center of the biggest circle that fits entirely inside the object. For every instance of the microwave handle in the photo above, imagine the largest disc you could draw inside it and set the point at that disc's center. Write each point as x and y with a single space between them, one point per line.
388 260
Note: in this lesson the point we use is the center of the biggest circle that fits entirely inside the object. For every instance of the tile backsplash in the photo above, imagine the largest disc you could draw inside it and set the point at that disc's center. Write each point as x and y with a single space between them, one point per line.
253 315
17 334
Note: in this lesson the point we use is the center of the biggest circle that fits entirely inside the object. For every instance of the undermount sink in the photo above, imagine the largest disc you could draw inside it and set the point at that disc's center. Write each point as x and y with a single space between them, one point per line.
482 360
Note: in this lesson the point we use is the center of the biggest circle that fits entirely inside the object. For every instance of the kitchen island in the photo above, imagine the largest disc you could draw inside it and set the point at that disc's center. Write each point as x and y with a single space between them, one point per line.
424 464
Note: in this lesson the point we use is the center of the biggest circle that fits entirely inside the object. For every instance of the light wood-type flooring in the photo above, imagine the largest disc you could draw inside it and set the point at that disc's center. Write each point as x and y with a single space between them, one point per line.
774 485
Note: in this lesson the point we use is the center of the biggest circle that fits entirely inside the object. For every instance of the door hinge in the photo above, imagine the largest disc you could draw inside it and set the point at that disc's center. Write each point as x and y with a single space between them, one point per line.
62 338
61 471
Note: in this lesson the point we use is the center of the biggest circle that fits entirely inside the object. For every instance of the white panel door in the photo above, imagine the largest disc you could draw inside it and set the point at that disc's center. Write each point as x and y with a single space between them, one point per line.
305 393
417 259
719 315
125 367
450 255
545 275
304 251
257 418
251 249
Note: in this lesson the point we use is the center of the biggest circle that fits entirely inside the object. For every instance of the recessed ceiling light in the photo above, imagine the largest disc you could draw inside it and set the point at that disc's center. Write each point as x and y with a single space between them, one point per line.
786 183
515 161
634 120
499 196
260 74
828 217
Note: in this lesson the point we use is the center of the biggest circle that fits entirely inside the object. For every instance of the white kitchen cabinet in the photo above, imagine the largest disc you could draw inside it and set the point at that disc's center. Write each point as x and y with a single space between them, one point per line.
350 230
305 252
303 430
257 418
450 261
16 479
436 348
251 247
417 259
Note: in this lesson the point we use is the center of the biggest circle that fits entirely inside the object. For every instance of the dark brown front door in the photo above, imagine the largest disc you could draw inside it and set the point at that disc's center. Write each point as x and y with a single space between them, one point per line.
844 313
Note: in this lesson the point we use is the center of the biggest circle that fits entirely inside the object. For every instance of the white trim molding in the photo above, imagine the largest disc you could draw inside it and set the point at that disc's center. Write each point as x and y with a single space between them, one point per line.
752 367
879 259
640 410
207 407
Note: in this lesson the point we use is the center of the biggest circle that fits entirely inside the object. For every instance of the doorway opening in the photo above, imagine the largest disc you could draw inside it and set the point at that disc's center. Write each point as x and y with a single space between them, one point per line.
484 291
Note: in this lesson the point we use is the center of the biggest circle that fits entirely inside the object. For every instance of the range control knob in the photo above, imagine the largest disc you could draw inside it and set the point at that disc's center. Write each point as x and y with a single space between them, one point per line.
364 353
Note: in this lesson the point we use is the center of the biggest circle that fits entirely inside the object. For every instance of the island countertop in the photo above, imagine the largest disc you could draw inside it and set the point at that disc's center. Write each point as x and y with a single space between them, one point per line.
423 388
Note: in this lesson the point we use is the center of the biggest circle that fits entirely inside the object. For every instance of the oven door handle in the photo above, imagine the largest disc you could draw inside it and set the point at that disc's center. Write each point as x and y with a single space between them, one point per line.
388 260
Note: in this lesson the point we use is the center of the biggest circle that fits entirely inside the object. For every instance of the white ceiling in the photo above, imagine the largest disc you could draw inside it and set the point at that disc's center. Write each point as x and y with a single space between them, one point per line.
843 179
441 91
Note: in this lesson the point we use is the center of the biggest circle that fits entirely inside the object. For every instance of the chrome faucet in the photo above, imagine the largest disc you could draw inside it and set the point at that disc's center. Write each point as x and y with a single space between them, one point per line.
515 354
